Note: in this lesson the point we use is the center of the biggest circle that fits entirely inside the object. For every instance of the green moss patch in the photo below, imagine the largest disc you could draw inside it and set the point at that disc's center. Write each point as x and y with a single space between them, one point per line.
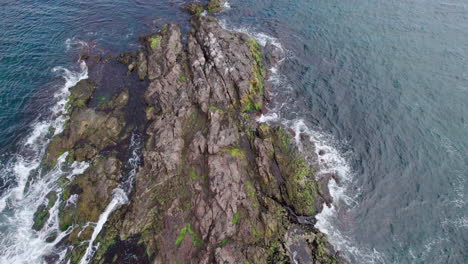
155 42
196 240
300 185
253 99
214 6
235 152
42 214
236 218
223 243
181 79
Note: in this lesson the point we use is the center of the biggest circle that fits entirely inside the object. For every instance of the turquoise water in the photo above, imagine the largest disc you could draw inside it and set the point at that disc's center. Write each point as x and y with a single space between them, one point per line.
383 86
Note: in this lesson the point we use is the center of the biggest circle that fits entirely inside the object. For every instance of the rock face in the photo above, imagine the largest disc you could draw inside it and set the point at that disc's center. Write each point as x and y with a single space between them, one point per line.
215 186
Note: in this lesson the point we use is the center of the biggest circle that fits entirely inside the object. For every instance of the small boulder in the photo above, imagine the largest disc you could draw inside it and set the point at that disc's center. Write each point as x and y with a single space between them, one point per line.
194 8
215 6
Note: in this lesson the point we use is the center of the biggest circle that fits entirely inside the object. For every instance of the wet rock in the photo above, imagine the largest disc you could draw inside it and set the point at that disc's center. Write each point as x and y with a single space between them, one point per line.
273 54
194 8
291 132
215 6
322 152
88 130
142 66
42 214
94 192
325 191
126 58
296 243
84 54
52 237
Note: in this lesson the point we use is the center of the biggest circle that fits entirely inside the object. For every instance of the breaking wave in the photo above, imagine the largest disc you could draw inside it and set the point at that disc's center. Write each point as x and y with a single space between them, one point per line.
19 243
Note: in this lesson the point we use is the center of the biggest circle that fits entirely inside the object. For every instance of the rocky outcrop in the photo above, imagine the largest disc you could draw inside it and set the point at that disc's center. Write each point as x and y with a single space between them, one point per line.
196 8
215 186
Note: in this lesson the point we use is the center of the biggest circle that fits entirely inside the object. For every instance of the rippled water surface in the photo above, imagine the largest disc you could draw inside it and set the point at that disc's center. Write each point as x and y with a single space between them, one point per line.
381 85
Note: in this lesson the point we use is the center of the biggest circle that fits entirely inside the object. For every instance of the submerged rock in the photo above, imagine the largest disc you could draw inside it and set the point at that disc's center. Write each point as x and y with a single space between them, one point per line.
214 186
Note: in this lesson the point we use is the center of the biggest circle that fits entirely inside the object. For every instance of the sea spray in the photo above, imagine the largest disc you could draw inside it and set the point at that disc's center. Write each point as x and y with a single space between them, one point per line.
133 162
330 162
22 244
19 243
29 157
58 110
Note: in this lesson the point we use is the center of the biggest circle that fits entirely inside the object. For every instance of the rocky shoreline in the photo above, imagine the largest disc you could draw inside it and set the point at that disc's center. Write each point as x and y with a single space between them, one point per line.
214 186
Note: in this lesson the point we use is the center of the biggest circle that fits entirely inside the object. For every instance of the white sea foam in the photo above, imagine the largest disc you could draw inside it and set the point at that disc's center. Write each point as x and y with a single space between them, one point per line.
19 243
71 79
457 223
260 37
73 42
332 161
22 165
22 244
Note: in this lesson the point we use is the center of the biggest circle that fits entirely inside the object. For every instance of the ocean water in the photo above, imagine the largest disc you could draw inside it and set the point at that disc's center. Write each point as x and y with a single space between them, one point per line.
381 86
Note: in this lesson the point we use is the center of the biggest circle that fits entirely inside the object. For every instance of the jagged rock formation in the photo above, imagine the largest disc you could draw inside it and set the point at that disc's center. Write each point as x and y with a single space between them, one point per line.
215 186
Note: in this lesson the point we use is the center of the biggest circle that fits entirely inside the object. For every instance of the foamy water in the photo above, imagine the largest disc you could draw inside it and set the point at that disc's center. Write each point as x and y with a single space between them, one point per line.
20 243
332 161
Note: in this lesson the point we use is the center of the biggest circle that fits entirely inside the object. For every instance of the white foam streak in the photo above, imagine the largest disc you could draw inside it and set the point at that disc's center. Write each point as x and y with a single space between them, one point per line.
59 109
260 37
72 42
19 243
24 245
119 198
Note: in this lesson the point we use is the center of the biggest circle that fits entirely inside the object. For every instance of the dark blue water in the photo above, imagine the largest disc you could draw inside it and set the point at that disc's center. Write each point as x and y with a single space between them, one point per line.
384 82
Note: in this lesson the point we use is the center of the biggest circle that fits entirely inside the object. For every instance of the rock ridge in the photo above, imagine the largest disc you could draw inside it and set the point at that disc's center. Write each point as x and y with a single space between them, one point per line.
214 186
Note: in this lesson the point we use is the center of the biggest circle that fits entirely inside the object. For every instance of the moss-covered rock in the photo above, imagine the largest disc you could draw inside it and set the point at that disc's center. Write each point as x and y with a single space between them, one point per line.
194 8
42 214
94 190
89 130
253 99
215 6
